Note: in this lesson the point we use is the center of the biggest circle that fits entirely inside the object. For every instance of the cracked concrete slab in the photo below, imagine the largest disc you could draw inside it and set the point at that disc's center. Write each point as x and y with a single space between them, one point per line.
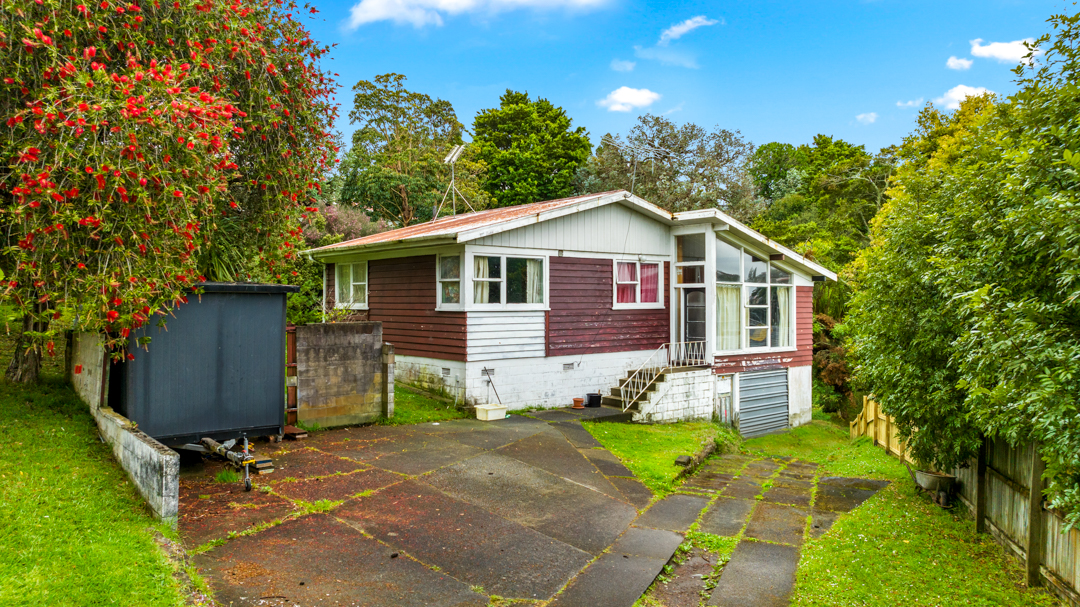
758 575
777 523
633 491
675 512
577 435
613 580
553 453
727 516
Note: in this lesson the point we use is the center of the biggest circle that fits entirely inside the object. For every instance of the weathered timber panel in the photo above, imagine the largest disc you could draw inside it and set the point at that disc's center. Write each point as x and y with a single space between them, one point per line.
804 343
401 295
582 321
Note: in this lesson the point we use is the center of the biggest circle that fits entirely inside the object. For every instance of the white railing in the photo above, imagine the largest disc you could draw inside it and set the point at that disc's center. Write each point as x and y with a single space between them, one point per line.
678 354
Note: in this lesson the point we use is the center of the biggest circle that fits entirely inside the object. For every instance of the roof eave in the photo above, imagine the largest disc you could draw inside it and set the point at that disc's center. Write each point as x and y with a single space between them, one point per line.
320 253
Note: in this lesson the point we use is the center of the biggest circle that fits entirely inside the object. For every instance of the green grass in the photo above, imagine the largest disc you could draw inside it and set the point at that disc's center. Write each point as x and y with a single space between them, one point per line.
413 408
649 450
227 476
73 530
898 548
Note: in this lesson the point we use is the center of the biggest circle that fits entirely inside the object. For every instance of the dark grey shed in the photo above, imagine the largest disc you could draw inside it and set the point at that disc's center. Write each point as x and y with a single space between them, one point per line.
217 370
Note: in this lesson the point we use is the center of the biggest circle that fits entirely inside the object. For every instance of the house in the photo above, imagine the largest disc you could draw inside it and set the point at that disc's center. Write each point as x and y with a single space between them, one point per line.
673 316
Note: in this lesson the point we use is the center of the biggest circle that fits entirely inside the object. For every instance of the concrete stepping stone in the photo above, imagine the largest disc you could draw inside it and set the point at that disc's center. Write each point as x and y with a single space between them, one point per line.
553 453
633 491
675 512
845 494
606 462
821 521
537 499
578 436
469 543
777 523
642 541
731 463
742 488
317 560
706 480
792 496
338 486
758 575
210 510
613 580
727 516
760 469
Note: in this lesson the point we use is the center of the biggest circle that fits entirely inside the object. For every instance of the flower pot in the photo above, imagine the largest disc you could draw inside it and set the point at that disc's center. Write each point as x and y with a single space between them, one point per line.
579 403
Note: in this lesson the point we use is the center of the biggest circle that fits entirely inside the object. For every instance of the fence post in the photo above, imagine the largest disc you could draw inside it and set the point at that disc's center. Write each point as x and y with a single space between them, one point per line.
1035 525
980 487
388 380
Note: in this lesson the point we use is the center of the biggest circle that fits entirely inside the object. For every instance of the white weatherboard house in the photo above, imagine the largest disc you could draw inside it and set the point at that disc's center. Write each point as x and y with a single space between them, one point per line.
672 316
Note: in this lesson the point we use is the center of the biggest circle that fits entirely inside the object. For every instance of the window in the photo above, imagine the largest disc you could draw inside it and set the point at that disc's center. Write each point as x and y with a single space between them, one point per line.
351 281
449 280
690 259
753 301
637 284
513 280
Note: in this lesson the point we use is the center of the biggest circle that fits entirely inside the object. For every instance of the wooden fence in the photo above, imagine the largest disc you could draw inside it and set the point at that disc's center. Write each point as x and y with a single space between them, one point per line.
996 489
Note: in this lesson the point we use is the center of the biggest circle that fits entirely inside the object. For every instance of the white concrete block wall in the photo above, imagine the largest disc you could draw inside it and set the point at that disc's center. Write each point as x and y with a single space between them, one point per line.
800 395
546 382
429 373
681 396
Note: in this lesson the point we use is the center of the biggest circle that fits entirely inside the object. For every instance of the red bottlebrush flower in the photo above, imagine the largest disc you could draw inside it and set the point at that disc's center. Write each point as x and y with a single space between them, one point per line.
78 369
13 284
142 181
232 203
117 301
125 332
82 266
130 356
178 194
112 315
89 52
50 347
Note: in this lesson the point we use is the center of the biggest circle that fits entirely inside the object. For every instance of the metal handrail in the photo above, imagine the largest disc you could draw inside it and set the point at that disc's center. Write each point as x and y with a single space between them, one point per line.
681 354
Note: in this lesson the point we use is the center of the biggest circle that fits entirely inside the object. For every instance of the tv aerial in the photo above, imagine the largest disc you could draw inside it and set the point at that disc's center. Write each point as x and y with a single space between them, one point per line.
644 151
451 190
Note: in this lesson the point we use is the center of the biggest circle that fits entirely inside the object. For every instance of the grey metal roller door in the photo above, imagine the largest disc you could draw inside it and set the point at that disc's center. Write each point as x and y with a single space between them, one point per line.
763 402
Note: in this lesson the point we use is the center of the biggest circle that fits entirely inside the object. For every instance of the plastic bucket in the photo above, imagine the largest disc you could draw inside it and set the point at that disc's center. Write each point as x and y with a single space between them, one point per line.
592 399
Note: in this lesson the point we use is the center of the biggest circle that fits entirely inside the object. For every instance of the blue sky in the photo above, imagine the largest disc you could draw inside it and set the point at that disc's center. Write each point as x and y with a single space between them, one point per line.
776 71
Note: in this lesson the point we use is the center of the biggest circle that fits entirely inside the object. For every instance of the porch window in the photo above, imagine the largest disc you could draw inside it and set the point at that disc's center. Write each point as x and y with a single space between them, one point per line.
690 259
637 282
351 281
753 301
449 280
513 280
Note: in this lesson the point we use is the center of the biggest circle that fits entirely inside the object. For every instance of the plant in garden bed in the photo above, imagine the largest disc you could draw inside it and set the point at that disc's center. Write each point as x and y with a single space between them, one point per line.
150 145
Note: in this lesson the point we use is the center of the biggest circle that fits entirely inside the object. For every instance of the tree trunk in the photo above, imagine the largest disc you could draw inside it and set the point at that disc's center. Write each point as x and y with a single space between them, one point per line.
25 364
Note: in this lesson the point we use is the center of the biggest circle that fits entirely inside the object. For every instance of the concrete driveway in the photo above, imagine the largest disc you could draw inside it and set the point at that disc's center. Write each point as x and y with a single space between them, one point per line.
433 514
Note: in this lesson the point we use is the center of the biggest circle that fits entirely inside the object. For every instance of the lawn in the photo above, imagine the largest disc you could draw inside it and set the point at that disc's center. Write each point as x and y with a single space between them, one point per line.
649 450
73 530
412 407
898 548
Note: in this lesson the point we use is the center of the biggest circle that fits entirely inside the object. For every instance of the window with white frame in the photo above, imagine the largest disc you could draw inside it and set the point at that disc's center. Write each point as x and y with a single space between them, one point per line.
754 301
637 284
449 280
690 259
507 280
351 281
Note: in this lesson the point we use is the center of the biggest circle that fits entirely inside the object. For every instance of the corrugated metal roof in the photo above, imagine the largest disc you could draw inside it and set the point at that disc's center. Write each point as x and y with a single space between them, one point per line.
451 226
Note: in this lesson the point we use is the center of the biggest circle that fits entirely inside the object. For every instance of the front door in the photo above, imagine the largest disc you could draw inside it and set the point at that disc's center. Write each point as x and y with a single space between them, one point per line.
693 314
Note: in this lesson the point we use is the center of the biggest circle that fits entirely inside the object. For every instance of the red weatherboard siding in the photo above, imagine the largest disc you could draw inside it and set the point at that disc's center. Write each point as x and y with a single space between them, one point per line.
804 343
401 295
581 320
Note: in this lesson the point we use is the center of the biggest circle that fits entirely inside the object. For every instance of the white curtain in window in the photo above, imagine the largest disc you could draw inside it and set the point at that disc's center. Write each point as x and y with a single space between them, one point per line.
783 328
727 317
480 287
344 283
534 281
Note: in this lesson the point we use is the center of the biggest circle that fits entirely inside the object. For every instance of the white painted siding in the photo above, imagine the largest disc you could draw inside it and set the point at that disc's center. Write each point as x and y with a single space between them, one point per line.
546 382
612 228
500 335
800 396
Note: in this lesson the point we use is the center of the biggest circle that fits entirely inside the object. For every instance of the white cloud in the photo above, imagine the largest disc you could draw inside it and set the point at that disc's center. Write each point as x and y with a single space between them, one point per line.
419 13
952 97
624 99
912 103
622 66
956 63
868 118
680 29
677 108
666 56
1005 52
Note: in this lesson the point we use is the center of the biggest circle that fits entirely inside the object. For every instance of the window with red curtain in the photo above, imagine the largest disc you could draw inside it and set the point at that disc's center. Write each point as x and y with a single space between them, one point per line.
650 283
626 282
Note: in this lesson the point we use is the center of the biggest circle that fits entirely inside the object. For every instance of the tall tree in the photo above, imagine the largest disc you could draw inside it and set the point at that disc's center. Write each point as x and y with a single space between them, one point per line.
676 167
135 133
394 169
529 148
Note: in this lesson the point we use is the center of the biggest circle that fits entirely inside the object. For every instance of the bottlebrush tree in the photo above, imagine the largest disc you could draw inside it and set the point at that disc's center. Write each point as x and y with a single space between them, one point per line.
133 133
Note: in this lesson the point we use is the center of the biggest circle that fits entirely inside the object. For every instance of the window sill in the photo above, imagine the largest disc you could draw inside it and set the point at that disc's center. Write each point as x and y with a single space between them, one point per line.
755 351
450 308
506 308
646 306
353 307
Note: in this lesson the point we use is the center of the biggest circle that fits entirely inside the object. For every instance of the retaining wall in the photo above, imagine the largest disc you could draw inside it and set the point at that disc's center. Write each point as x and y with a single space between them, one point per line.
681 396
345 374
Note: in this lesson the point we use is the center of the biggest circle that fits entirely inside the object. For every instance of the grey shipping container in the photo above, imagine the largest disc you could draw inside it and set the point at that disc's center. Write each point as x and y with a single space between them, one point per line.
216 370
